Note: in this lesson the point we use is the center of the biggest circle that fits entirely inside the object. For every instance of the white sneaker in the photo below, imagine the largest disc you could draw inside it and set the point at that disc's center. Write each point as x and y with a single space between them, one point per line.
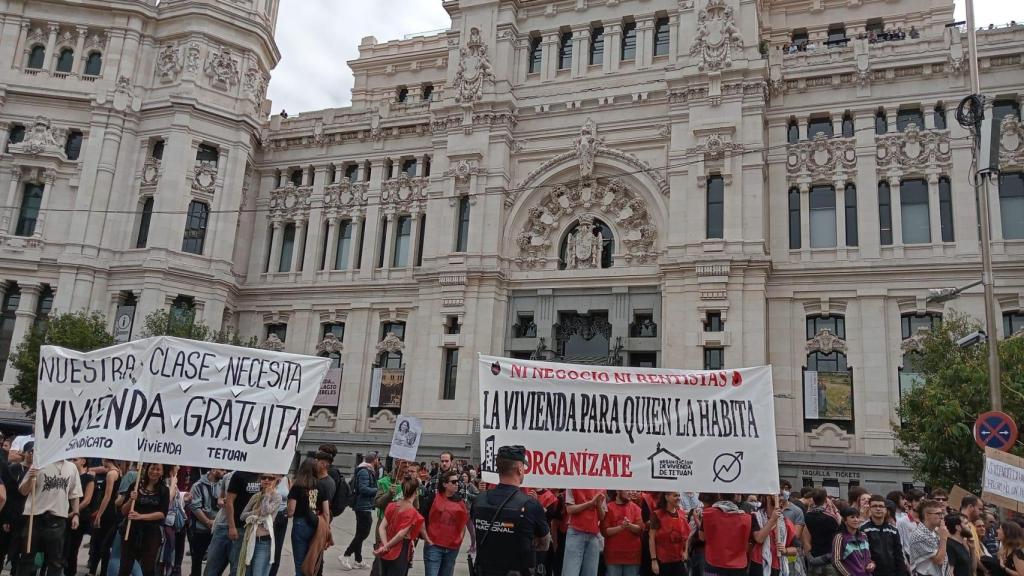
345 564
362 565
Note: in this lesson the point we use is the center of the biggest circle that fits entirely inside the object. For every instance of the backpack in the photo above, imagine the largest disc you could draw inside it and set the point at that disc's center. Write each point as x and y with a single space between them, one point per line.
342 493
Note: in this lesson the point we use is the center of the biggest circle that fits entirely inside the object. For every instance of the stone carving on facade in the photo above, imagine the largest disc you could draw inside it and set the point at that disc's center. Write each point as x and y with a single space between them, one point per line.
329 345
826 342
151 171
404 193
586 146
461 171
273 343
474 69
97 40
290 202
715 147
255 84
204 177
192 58
584 326
822 158
717 37
1011 142
346 196
584 245
916 342
914 149
390 344
168 63
222 69
41 140
608 199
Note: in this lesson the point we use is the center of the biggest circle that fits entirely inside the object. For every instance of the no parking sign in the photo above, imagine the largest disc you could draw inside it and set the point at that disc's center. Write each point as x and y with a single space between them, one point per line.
995 430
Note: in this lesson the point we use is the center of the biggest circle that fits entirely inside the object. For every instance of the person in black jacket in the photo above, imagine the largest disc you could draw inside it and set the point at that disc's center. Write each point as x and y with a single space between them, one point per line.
884 540
365 484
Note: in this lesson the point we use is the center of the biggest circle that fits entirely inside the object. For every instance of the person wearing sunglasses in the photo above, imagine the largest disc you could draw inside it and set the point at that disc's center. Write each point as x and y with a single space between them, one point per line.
446 522
257 553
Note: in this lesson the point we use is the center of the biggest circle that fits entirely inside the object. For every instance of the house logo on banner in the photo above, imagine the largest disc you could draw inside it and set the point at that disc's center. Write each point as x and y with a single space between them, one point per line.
667 466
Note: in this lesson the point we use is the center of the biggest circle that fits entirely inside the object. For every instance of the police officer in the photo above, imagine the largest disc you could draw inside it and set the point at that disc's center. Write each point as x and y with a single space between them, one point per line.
500 551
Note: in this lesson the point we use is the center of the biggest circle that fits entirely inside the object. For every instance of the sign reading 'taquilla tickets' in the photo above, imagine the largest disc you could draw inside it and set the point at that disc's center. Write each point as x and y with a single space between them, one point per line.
631 428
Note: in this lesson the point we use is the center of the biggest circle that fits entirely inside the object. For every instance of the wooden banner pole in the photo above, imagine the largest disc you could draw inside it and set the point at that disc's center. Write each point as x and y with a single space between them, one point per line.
31 518
138 480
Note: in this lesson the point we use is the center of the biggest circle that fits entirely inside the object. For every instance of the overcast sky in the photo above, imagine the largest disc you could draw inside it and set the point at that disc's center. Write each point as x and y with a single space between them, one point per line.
318 37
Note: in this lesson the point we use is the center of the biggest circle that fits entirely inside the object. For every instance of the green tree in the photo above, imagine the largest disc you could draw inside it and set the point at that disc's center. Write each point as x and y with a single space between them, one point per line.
184 325
936 436
81 331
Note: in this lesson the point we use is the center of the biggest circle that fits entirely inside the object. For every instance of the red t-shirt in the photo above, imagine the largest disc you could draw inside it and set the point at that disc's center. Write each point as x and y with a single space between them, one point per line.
756 550
622 548
588 520
447 522
670 538
398 520
727 535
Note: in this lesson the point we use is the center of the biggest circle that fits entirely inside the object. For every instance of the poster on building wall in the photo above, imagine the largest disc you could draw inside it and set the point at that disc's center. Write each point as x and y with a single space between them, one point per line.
405 442
175 401
631 428
330 389
123 321
392 384
828 395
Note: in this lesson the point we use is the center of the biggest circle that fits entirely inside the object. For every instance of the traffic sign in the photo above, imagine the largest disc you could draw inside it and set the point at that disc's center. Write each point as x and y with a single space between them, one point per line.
995 430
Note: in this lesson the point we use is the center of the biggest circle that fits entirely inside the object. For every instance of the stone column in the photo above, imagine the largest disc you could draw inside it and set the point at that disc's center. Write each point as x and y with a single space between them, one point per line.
307 176
580 50
644 42
25 315
840 186
421 166
357 229
48 181
934 216
19 56
5 130
11 207
332 243
805 216
276 239
389 241
612 47
549 58
300 244
51 45
673 38
79 64
361 172
414 239
897 211
523 68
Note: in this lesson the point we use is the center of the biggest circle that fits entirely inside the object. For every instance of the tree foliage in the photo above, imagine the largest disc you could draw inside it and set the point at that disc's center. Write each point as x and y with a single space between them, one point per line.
184 325
81 331
936 436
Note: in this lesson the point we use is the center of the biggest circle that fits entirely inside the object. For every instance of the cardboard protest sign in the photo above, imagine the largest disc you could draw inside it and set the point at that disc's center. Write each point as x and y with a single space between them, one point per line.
406 441
1003 482
956 497
631 428
175 401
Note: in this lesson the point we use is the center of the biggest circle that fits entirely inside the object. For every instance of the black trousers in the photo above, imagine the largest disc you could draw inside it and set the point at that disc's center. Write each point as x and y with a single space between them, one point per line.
71 545
198 543
364 522
280 528
100 543
47 537
142 546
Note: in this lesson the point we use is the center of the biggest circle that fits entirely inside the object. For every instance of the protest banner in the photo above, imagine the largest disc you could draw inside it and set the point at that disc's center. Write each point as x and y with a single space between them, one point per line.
175 401
1003 480
631 428
406 441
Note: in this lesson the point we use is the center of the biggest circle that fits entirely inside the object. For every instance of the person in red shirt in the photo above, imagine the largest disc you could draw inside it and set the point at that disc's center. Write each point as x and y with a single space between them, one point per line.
622 528
668 536
726 531
586 510
398 531
770 538
447 519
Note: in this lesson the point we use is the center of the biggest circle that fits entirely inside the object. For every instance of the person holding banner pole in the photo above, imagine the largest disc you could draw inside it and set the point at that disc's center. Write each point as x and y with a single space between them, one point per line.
145 508
773 539
52 493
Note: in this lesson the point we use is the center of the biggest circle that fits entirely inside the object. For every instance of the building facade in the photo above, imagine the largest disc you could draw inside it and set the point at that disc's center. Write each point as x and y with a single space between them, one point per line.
660 183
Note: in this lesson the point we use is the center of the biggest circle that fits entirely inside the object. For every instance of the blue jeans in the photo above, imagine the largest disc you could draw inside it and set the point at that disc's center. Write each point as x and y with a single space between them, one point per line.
581 554
222 552
622 570
114 565
259 565
302 534
439 561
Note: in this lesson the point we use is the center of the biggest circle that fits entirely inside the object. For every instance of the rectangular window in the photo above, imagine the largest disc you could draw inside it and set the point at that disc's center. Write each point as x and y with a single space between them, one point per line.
713 322
884 214
1011 205
629 41
524 327
946 208
207 153
383 253
462 233
352 172
341 258
911 324
279 330
287 248
147 216
336 329
661 37
715 207
403 241
850 199
833 323
1013 322
28 213
714 358
8 316
909 116
643 325
819 126
823 217
451 369
597 46
914 208
195 227
643 359
881 123
359 249
452 325
565 51
794 219
939 117
419 240
73 145
536 55
409 167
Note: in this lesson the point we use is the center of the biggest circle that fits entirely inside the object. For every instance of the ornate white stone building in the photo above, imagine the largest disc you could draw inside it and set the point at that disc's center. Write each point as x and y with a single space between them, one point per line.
681 183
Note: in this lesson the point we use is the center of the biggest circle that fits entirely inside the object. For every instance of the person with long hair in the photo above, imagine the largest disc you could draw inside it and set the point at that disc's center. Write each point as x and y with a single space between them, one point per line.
257 553
851 553
725 529
104 516
305 507
668 536
173 551
623 528
446 520
773 538
74 537
146 508
398 532
1011 548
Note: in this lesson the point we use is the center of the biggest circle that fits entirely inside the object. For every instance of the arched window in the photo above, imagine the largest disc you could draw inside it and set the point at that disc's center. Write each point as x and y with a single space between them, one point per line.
147 215
94 64
792 131
195 227
31 200
580 244
36 58
823 216
66 60
847 125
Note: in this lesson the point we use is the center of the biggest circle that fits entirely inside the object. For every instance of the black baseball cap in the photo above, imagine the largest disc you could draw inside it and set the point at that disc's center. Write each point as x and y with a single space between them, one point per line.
517 453
29 447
